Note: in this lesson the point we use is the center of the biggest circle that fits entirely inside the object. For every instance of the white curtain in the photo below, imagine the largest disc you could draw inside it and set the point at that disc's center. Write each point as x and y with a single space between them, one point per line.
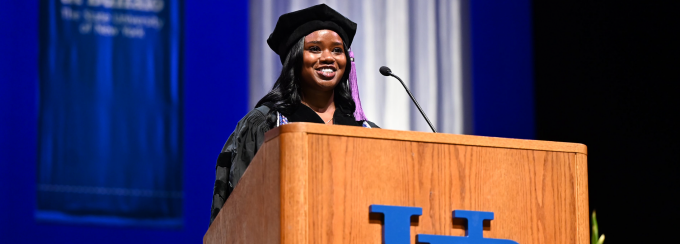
423 42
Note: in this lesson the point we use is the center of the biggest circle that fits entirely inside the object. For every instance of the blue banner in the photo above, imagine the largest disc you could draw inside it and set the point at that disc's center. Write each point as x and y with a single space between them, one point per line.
110 115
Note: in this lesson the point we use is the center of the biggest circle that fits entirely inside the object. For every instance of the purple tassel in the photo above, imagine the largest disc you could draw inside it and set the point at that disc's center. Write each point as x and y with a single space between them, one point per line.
359 112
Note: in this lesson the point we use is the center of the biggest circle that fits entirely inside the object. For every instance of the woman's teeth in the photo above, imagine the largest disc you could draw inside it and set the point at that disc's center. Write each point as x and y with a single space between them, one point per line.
326 73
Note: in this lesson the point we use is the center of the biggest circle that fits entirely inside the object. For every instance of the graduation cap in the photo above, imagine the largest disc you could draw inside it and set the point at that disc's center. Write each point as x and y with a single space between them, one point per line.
295 25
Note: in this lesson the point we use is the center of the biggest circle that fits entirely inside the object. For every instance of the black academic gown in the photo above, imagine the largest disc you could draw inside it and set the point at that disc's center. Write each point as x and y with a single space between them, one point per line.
247 138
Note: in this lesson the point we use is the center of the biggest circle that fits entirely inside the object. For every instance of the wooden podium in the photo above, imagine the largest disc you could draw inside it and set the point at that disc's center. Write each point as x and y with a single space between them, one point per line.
313 183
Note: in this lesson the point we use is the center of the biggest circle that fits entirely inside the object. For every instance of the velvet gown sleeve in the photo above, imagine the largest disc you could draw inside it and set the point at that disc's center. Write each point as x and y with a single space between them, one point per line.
236 155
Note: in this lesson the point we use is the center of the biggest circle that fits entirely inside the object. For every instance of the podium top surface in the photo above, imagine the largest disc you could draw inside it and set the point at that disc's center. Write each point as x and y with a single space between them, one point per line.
497 142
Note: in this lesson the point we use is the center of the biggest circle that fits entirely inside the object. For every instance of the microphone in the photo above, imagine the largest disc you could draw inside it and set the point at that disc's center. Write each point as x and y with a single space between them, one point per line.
388 72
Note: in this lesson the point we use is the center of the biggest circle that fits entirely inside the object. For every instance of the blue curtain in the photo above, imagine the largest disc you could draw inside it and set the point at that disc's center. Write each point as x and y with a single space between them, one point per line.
110 115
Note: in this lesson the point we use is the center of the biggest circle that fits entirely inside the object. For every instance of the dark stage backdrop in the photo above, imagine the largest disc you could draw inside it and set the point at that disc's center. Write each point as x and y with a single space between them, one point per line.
607 76
502 68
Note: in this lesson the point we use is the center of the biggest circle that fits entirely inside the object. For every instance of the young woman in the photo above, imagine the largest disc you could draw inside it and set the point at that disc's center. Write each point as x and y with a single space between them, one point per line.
317 84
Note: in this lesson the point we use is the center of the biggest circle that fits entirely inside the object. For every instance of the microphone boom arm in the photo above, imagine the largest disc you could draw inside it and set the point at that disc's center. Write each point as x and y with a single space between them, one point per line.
416 102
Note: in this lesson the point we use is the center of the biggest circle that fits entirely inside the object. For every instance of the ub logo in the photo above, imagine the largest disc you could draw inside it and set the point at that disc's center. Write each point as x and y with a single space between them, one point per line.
397 227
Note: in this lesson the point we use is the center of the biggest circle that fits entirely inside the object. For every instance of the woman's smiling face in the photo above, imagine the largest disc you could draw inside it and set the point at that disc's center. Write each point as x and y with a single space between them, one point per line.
323 61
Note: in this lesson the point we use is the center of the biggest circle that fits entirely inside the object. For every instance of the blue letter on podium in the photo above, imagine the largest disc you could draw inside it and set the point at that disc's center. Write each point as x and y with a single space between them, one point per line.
475 221
397 223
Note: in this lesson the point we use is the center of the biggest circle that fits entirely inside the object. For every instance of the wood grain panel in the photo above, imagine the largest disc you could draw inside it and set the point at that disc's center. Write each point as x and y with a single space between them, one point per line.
314 184
252 212
582 206
294 183
354 131
531 192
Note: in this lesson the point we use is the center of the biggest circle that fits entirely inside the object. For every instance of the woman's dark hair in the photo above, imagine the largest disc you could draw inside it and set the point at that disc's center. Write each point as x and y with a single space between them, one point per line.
286 94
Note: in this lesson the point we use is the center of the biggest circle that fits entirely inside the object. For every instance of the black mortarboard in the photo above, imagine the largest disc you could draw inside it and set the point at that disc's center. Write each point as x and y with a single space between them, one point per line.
295 25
